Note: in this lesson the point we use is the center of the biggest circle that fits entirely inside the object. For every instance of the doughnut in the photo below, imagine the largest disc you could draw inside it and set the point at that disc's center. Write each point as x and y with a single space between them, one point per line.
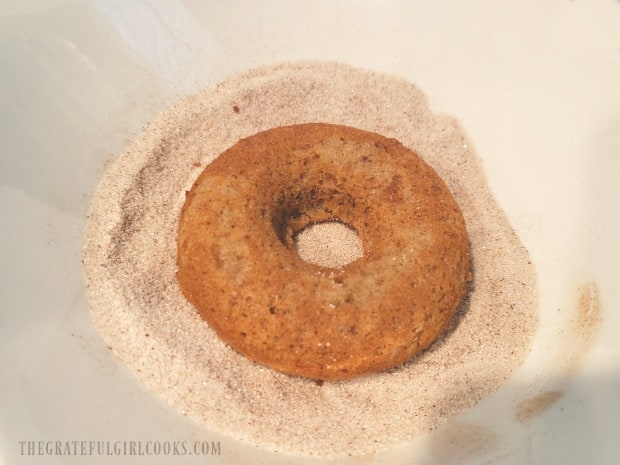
237 264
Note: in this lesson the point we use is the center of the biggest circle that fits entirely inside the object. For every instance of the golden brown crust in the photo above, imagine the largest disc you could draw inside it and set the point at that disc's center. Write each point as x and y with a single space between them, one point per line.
237 265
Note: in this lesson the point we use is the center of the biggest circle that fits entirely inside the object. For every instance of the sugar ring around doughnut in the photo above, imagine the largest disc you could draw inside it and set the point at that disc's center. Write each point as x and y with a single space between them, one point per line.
238 266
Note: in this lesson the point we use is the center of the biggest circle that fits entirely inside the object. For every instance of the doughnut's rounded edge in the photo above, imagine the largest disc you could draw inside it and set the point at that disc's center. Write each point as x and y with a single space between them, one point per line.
236 262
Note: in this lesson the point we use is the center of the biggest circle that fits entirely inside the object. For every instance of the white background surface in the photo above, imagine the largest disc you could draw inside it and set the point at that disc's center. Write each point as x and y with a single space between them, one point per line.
535 84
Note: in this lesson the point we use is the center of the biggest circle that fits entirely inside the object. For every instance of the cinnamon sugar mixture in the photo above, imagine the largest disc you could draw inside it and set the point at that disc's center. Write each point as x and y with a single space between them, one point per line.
137 307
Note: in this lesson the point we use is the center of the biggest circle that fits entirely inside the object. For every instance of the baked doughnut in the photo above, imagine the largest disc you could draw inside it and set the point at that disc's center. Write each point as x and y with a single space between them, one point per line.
237 263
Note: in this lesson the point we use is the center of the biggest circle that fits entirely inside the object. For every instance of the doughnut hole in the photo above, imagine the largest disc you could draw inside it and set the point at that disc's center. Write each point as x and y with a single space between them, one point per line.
311 222
332 244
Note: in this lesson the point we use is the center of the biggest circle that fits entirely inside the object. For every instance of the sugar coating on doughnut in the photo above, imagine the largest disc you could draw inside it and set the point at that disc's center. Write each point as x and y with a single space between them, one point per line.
238 266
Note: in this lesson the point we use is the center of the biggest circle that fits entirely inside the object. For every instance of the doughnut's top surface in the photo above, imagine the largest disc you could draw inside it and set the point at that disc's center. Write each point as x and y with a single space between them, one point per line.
237 263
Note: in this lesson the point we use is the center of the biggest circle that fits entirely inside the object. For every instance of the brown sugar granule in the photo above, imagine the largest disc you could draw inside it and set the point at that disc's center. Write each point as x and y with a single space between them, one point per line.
130 255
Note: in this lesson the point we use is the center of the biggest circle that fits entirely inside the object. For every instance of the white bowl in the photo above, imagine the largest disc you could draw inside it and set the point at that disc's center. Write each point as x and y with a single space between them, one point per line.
535 85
